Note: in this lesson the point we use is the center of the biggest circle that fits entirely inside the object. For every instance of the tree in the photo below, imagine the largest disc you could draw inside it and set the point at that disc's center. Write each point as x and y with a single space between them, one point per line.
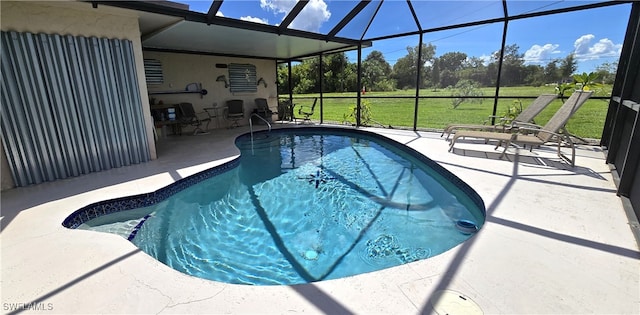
463 90
512 65
313 74
449 65
551 71
375 72
351 78
448 78
283 78
568 66
534 75
607 72
336 72
301 75
302 83
452 61
405 70
435 74
474 69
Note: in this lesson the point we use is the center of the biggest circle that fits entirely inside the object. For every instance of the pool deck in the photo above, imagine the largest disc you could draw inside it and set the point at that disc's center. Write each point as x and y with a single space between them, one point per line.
557 241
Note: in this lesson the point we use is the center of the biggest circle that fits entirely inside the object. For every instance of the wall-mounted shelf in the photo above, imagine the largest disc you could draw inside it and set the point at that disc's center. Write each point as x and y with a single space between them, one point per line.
202 92
192 88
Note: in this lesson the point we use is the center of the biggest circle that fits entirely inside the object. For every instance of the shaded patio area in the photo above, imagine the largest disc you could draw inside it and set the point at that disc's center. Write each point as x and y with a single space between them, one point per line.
557 240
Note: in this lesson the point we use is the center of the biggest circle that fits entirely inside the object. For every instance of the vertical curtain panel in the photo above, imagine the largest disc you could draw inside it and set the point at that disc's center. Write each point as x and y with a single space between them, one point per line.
70 106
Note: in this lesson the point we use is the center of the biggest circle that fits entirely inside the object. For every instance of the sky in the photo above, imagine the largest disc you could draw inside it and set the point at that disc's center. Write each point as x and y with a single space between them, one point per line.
593 36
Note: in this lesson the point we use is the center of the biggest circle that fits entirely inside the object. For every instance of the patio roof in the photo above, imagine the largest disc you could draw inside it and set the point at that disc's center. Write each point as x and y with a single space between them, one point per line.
178 27
166 26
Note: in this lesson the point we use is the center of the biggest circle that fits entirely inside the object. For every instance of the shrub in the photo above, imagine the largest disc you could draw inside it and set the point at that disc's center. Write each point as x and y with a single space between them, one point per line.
462 90
512 112
386 85
365 114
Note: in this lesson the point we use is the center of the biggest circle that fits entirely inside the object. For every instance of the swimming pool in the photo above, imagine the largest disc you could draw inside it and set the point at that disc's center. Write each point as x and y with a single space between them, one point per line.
300 205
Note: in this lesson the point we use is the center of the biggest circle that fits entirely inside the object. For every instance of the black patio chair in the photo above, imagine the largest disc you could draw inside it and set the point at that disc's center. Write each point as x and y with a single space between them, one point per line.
307 111
189 117
234 112
262 109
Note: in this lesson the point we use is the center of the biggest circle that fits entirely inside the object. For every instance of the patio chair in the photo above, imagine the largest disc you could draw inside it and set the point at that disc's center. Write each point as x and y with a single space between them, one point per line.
189 117
234 112
527 115
262 109
553 132
307 111
285 110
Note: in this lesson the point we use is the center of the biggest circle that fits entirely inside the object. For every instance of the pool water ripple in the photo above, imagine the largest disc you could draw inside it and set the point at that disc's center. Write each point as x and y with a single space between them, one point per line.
305 207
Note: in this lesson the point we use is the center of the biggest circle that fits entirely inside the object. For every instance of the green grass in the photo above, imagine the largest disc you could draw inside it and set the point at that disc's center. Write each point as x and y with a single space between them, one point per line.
437 113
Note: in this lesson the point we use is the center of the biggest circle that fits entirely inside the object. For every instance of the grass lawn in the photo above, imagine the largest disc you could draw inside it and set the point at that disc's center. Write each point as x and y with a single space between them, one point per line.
437 113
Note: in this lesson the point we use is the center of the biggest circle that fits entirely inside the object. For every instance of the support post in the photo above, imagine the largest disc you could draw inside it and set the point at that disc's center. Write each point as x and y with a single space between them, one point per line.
418 80
359 84
500 61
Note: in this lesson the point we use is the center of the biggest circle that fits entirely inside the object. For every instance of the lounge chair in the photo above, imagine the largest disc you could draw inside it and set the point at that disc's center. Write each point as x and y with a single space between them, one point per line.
527 115
553 132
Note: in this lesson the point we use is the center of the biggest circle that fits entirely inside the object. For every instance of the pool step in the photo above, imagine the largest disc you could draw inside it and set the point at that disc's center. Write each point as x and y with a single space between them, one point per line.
135 230
260 141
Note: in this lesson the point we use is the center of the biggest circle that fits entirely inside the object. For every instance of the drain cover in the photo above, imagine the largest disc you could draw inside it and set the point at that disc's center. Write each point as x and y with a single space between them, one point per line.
452 303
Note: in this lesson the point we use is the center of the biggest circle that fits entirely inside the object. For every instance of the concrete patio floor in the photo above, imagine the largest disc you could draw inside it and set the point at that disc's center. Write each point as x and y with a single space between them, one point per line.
556 241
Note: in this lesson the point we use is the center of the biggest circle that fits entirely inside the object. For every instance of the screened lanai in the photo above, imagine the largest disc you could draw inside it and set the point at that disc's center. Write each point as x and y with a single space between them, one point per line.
80 80
426 47
415 65
447 52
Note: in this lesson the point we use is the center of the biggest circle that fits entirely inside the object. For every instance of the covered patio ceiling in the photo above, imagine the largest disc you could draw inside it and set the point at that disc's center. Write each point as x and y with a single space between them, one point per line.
170 26
177 26
189 36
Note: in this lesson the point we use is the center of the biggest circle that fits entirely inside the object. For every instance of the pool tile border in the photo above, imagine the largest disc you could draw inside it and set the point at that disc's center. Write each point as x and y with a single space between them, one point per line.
101 208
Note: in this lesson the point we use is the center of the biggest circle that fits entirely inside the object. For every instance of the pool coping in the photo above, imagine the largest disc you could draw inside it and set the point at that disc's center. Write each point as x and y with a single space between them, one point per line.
105 207
556 240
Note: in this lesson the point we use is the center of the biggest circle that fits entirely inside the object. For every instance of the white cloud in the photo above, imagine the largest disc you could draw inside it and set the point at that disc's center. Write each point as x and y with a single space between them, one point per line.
310 18
486 59
584 50
219 13
540 54
254 19
278 6
581 45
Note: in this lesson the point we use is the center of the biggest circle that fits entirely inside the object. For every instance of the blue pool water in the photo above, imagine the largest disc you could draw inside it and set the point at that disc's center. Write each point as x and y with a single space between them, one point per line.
304 205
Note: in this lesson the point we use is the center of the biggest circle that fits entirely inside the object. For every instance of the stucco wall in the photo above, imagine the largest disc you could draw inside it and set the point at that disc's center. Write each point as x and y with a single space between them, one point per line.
182 69
78 19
